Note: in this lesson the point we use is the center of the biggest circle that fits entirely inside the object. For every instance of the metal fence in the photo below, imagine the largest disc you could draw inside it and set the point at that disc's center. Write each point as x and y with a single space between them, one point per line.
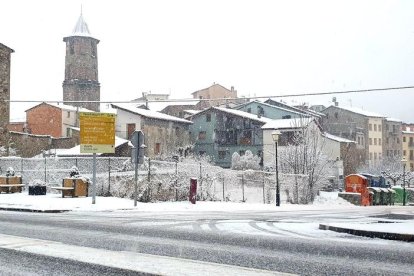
162 180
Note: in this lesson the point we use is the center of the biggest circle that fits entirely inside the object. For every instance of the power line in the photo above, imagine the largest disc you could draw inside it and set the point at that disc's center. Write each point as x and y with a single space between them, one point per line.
225 99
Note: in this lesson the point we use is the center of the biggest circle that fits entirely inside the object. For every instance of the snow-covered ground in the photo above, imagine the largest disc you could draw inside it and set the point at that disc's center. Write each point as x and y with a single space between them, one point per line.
325 201
56 202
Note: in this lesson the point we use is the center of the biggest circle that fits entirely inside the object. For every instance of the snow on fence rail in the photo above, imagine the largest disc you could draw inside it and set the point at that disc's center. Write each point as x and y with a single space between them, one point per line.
163 180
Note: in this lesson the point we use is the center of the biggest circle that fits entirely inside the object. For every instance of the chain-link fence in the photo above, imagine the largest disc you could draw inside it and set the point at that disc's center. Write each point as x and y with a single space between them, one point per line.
162 180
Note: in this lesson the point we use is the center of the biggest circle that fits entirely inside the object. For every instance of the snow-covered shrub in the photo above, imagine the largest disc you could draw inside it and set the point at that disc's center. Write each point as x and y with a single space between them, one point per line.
248 161
10 171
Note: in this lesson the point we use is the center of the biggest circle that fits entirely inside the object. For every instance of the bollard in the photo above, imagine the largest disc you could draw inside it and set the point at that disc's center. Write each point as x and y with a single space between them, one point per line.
193 190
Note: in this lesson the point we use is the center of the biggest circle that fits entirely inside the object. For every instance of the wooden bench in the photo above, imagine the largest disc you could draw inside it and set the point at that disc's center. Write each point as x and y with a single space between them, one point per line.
11 188
11 184
73 187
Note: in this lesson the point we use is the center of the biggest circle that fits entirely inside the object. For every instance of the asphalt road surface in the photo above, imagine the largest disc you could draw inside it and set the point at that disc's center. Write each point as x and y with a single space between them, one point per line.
285 241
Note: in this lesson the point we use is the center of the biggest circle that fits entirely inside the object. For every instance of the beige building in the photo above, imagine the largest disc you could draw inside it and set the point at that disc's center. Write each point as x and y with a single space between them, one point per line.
408 148
375 139
215 95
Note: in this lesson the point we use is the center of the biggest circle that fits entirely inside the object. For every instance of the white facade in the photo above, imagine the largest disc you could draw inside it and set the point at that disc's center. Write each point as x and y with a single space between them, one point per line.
124 118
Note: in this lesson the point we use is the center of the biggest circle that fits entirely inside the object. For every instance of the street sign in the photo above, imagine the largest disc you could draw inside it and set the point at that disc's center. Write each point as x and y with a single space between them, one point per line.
97 132
137 152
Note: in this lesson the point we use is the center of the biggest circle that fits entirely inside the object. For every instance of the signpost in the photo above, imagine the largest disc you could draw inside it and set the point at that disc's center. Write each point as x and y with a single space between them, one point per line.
137 157
97 135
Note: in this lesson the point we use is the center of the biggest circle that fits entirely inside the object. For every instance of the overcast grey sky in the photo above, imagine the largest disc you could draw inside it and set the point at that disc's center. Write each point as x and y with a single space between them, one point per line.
262 47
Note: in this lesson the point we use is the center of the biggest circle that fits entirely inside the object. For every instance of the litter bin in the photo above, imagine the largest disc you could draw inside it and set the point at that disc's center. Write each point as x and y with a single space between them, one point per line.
37 190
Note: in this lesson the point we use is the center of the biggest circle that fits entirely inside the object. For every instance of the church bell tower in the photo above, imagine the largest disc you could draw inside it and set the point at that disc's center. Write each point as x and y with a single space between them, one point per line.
81 86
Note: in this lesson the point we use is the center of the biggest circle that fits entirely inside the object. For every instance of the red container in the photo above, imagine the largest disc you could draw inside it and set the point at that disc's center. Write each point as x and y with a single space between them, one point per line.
356 183
193 190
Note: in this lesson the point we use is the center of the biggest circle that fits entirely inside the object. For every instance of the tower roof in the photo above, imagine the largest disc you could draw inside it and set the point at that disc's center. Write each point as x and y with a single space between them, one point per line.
81 28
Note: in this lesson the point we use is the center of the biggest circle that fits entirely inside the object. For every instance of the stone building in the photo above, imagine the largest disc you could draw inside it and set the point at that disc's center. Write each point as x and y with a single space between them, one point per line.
81 68
361 126
5 57
392 144
408 145
164 134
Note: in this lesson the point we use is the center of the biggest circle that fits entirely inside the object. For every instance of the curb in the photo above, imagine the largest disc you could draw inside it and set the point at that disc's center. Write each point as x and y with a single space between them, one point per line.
32 210
370 234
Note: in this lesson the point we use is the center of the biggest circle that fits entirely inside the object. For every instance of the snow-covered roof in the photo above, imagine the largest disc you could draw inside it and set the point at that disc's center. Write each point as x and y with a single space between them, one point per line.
288 123
149 113
64 107
160 105
243 114
81 28
393 120
76 150
191 111
292 109
407 132
337 138
361 111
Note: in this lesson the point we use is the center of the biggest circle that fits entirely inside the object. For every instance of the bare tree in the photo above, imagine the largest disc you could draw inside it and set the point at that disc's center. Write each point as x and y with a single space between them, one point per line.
303 155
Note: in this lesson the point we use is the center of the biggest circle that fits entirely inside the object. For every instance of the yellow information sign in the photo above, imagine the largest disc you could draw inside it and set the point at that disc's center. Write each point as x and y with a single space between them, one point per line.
97 132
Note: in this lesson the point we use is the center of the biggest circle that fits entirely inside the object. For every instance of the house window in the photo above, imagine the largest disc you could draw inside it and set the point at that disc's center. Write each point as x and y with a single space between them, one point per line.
379 156
222 154
68 132
370 156
403 139
375 127
379 128
208 117
379 141
359 140
411 155
375 141
375 156
370 141
157 148
411 142
370 126
404 152
202 135
398 140
68 114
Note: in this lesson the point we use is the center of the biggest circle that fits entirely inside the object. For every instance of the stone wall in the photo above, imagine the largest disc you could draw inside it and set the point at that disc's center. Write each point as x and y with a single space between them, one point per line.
29 145
5 57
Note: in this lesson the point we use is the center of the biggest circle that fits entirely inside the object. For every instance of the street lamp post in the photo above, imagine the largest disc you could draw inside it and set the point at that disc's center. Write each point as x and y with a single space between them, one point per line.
275 137
403 161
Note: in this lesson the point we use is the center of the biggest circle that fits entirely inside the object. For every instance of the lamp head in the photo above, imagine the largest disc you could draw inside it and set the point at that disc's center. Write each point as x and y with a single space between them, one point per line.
275 135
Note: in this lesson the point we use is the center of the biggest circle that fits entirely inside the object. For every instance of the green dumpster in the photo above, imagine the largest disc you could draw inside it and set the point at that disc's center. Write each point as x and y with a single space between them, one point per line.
399 191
